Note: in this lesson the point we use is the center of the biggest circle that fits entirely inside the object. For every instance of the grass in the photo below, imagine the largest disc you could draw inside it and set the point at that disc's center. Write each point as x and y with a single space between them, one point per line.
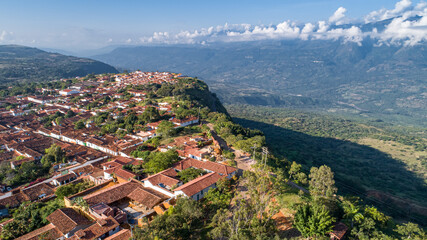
407 154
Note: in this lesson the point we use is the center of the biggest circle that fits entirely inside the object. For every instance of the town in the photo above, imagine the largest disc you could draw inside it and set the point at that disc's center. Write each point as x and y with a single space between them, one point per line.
133 153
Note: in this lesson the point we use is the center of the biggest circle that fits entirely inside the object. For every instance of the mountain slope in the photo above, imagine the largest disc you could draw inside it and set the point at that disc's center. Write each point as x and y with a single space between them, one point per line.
19 63
385 82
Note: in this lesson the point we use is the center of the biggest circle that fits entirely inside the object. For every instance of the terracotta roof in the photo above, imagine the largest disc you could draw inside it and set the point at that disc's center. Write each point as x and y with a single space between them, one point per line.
111 194
14 200
34 192
66 219
50 232
119 172
123 234
207 165
339 230
198 184
161 178
147 197
65 177
97 229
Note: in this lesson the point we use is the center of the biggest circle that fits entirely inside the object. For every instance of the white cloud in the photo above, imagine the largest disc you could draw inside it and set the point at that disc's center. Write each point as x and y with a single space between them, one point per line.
338 16
406 31
383 14
3 35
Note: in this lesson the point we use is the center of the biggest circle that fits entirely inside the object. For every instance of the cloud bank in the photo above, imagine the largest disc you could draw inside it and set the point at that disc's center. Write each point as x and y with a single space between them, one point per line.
405 24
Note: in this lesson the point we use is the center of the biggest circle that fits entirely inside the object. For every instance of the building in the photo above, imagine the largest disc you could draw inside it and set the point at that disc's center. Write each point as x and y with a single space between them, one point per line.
68 92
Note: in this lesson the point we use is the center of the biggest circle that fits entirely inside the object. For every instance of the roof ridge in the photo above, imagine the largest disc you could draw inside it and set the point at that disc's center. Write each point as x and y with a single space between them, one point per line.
67 214
196 180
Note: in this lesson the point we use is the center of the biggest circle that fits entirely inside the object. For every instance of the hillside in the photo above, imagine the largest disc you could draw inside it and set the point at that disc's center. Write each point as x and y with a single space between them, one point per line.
369 160
25 64
383 82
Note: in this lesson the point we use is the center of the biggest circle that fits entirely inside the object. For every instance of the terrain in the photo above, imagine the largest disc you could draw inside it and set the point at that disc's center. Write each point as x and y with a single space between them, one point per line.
385 167
367 81
25 64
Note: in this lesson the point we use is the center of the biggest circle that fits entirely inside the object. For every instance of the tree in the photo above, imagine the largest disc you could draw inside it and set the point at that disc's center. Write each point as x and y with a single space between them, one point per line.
322 183
294 169
249 216
70 189
189 174
151 114
352 211
410 231
166 129
313 220
69 114
79 125
159 161
296 174
179 222
54 154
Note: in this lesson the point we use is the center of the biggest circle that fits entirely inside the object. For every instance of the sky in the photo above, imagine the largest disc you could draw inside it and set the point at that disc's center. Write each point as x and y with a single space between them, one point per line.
91 24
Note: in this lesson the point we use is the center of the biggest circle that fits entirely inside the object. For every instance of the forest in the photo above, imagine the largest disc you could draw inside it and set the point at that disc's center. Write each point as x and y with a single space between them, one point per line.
394 182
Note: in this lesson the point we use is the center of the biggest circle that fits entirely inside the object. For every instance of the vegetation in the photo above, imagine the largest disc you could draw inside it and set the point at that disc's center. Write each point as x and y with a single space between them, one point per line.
326 76
72 188
189 174
396 183
159 161
54 154
179 222
29 217
313 221
25 64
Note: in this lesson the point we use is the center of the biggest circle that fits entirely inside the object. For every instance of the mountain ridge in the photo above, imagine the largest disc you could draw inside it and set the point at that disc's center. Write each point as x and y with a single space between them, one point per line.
21 63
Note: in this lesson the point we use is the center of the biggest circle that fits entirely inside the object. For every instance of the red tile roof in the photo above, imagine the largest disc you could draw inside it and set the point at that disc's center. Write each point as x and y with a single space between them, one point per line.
50 232
123 234
119 172
193 187
206 165
66 219
96 230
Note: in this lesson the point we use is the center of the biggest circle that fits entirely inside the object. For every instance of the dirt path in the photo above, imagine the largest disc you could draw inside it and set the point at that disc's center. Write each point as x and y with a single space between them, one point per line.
244 161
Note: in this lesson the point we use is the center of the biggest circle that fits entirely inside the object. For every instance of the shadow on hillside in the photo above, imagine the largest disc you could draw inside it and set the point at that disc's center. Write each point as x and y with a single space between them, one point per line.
359 170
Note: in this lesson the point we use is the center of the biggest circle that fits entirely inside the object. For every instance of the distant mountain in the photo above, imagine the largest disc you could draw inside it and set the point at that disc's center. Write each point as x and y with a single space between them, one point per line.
384 82
20 63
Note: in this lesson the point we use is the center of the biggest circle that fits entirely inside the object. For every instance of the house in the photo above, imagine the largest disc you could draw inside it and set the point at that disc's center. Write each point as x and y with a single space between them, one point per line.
197 188
68 221
166 181
101 229
47 232
103 211
68 92
64 179
185 122
121 174
124 190
123 234
339 231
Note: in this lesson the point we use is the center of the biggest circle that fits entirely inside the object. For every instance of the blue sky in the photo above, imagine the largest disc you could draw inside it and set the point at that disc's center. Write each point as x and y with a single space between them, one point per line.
87 24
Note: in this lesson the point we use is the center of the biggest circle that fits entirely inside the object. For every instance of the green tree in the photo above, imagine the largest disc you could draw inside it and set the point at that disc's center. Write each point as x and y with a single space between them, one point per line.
189 174
166 129
322 183
410 231
179 222
313 220
54 154
159 161
79 124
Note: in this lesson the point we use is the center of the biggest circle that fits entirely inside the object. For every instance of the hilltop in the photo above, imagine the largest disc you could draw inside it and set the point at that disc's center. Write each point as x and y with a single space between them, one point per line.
26 64
369 81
